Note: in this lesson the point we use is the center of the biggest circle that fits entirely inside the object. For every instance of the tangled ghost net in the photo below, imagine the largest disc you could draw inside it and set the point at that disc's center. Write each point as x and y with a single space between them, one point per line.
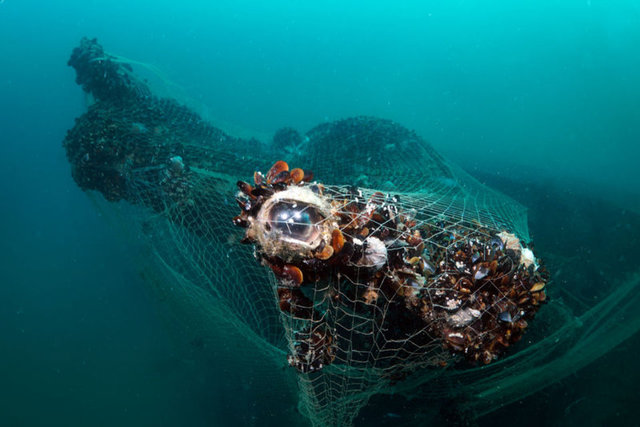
389 271
385 282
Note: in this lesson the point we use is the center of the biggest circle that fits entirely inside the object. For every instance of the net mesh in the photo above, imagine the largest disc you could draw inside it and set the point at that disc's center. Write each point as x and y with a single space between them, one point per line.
373 335
174 176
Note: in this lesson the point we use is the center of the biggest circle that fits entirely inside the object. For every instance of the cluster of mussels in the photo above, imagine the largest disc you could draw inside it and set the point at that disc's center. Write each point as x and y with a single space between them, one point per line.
313 346
103 74
460 284
482 289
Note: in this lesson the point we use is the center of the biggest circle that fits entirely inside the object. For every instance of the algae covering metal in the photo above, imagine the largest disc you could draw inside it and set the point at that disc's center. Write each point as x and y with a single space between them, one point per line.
173 177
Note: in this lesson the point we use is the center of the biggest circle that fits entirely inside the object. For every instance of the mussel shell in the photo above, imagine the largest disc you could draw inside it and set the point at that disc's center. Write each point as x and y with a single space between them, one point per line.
277 168
297 175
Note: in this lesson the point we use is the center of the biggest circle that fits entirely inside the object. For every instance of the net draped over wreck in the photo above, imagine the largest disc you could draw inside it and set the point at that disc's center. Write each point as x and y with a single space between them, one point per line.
450 315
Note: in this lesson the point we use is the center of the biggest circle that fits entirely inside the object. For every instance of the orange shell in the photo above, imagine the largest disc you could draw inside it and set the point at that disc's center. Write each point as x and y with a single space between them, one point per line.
326 253
292 273
337 240
279 166
537 287
297 175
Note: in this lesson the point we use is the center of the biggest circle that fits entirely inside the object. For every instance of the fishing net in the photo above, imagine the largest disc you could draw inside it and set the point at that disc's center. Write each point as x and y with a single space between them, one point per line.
355 332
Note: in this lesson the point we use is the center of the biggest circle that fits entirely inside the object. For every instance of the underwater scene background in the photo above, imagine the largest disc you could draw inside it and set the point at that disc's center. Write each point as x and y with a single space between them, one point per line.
539 100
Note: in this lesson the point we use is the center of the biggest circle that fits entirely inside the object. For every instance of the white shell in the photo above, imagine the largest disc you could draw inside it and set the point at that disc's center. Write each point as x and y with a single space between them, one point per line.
527 258
510 241
375 255
526 255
